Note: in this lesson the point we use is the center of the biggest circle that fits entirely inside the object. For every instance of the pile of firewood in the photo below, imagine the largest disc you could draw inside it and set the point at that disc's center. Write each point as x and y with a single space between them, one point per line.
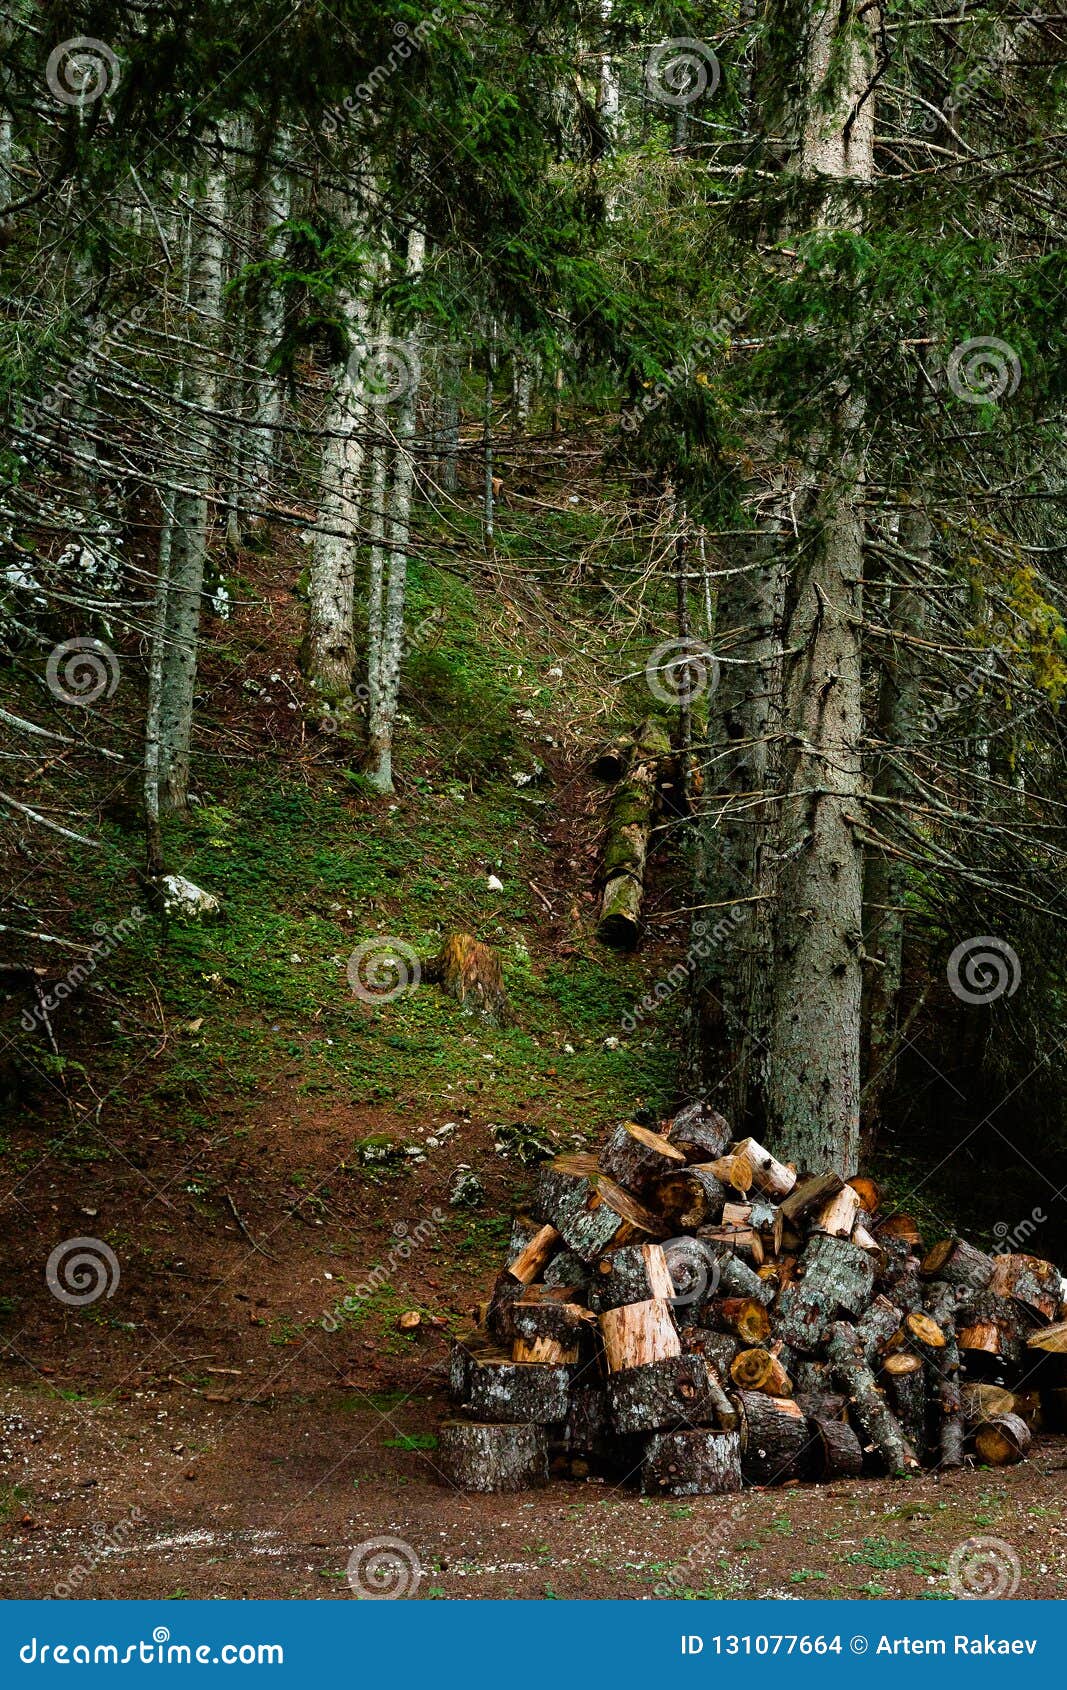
687 1310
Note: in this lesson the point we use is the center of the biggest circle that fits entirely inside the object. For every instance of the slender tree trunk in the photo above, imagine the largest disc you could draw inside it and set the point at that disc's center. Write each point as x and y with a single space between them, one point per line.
814 1059
331 644
189 546
398 523
268 405
448 418
155 860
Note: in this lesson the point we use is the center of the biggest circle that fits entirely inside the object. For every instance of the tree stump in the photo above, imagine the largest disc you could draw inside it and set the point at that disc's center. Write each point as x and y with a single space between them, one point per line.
492 1457
696 1462
660 1394
470 972
774 1438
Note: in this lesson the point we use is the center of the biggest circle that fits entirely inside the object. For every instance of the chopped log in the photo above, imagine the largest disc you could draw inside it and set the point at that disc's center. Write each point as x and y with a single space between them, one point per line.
941 1301
566 1268
1003 1441
523 1227
535 1254
491 1457
626 847
742 1240
877 1420
553 1351
660 1394
723 1411
565 1322
464 1349
696 1462
868 1192
810 1377
876 1329
985 1402
810 1194
694 1274
775 1440
958 1263
837 1217
837 1276
635 1157
899 1275
717 1348
734 1278
689 1198
867 1241
1031 1281
822 1404
639 1333
758 1370
506 1290
589 1210
837 1452
634 1273
901 1226
908 1398
923 1333
470 972
409 1321
1052 1339
764 1218
745 1316
769 1176
517 1391
994 1327
699 1132
902 1361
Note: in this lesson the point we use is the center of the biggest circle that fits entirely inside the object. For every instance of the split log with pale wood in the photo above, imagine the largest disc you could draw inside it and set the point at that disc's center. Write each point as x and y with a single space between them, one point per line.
692 1314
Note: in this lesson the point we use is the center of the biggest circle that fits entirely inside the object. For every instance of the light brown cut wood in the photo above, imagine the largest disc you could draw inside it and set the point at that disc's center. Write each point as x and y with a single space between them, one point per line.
544 1349
634 1156
1003 1441
810 1194
838 1216
771 1177
902 1361
758 1370
924 1331
1031 1281
985 1402
902 1226
745 1316
534 1255
958 1263
1052 1339
409 1321
868 1192
866 1240
638 1333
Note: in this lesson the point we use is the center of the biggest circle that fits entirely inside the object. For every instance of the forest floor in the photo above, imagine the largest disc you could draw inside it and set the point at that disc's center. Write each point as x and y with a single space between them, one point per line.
252 1142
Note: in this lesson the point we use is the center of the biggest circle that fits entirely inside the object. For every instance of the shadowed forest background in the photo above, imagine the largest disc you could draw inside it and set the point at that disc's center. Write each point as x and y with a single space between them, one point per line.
404 407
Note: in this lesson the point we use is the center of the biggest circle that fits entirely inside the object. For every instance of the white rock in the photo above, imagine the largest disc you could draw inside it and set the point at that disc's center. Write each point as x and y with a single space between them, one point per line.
611 1043
494 884
182 898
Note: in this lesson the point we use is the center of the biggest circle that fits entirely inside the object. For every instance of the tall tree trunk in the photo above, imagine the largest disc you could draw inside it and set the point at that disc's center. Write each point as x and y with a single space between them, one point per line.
268 406
331 644
189 546
398 523
814 1059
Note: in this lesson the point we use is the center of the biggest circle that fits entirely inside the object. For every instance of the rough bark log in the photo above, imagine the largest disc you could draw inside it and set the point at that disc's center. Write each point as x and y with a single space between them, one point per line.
810 1194
700 1132
639 1333
661 1394
735 1278
517 1391
837 1275
941 1304
696 1462
876 1329
907 1395
878 1422
769 1176
634 1273
958 1263
535 1254
837 1452
492 1457
717 1348
1031 1281
689 1198
626 848
636 1157
586 1208
775 1439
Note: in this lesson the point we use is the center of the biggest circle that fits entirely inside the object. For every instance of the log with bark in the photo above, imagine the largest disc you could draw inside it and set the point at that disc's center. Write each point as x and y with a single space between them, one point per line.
633 809
492 1457
694 1462
775 1439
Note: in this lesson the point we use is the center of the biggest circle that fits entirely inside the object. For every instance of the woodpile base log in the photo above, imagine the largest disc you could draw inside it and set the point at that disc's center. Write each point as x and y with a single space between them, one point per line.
775 1438
492 1457
517 1391
697 1462
673 1392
